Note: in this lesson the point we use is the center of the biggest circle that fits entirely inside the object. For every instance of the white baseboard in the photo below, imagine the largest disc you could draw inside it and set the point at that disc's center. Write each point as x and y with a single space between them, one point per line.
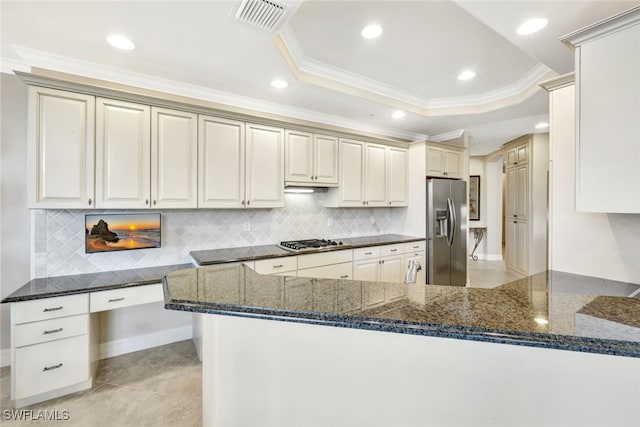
142 342
5 357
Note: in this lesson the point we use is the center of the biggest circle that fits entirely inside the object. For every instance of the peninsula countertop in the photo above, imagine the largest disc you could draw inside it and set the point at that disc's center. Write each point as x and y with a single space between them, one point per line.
252 253
527 312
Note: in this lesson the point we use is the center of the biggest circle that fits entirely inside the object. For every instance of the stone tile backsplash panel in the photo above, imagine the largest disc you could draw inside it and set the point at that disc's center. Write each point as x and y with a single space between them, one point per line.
57 241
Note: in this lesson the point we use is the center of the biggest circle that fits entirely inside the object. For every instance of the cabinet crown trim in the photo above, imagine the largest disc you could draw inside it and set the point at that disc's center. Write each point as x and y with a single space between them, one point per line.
602 28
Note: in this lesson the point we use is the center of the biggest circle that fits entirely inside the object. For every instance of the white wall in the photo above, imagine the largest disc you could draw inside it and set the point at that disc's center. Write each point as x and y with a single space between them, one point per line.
14 216
592 244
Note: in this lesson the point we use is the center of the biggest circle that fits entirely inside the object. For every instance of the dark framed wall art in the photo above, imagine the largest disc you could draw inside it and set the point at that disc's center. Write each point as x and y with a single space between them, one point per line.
474 197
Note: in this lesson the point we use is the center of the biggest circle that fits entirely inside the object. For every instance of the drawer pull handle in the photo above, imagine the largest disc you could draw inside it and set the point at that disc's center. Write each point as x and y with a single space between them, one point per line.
393 250
116 299
52 309
51 368
52 331
345 276
416 247
277 266
368 253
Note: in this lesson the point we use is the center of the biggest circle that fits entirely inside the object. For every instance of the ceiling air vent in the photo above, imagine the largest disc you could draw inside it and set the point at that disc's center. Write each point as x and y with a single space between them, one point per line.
265 14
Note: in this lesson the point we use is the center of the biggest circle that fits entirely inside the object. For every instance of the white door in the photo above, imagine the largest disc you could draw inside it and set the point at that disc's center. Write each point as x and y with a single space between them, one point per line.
397 168
174 159
326 159
264 167
375 175
351 173
435 161
452 164
299 156
61 143
220 163
123 151
392 269
511 202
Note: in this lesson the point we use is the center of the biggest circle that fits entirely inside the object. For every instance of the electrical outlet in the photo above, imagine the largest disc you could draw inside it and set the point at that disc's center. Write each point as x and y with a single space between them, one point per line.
329 222
247 226
372 219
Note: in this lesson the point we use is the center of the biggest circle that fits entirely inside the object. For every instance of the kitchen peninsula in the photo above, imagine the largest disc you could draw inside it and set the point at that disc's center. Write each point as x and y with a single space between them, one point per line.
284 350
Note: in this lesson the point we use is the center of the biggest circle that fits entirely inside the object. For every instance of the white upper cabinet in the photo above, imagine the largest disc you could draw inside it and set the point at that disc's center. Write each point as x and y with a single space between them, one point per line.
370 175
608 114
240 164
397 173
310 159
375 175
174 159
264 185
61 145
123 151
221 163
444 162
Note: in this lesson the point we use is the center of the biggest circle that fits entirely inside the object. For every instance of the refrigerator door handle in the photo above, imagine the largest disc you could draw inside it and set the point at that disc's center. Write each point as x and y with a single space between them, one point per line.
451 211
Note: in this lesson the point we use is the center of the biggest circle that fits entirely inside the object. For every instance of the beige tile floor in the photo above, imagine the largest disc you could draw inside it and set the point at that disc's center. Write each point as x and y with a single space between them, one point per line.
162 386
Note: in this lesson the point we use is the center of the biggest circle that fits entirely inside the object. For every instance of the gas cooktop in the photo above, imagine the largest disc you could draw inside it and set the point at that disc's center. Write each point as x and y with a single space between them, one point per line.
308 245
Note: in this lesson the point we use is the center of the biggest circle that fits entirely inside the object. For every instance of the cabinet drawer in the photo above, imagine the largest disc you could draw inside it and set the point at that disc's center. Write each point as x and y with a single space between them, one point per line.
366 253
124 297
415 246
396 249
334 271
49 330
52 365
49 308
324 258
276 265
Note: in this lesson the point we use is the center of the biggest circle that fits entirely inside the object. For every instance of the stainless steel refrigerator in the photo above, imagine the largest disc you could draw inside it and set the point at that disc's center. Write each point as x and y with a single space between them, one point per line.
446 232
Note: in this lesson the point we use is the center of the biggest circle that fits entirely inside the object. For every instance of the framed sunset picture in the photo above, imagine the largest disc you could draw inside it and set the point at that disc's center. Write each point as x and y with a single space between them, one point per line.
119 232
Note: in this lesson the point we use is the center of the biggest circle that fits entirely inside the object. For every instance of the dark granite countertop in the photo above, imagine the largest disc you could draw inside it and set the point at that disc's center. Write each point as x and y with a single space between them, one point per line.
252 253
528 312
48 287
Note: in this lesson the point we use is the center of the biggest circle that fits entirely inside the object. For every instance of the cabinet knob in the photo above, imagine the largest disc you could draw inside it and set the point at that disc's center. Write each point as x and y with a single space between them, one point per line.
389 202
90 201
243 203
146 202
344 276
248 202
155 202
515 216
364 203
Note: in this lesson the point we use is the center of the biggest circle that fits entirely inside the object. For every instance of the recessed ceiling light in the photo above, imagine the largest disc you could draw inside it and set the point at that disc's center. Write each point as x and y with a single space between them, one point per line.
398 114
371 31
466 75
120 42
542 125
279 84
531 26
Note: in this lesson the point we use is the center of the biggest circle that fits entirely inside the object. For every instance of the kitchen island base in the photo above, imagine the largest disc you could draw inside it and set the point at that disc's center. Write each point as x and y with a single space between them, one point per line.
259 372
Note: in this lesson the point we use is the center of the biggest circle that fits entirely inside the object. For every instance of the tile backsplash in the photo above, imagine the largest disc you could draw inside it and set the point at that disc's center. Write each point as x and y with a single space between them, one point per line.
57 236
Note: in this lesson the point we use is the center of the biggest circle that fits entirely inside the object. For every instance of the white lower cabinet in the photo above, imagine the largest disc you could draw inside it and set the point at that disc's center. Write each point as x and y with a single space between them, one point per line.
125 297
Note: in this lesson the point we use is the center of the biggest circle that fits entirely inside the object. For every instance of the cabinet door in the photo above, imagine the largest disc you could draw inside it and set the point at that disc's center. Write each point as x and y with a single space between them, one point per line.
123 151
392 270
511 244
511 196
299 156
368 270
326 159
220 163
452 164
435 161
522 257
174 159
522 154
522 189
375 175
264 167
397 169
61 143
351 173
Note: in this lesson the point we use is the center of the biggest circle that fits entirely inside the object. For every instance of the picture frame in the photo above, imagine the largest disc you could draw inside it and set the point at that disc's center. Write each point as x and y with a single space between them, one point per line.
119 232
474 197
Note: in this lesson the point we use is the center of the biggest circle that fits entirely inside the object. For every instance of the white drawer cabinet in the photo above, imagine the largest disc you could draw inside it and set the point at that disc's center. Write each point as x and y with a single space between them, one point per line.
50 366
366 253
388 250
415 246
49 308
333 271
280 265
324 258
50 330
125 297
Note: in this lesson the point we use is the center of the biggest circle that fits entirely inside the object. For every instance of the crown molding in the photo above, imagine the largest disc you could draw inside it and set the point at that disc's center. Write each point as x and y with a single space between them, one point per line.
602 28
558 82
321 74
9 65
58 63
455 134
